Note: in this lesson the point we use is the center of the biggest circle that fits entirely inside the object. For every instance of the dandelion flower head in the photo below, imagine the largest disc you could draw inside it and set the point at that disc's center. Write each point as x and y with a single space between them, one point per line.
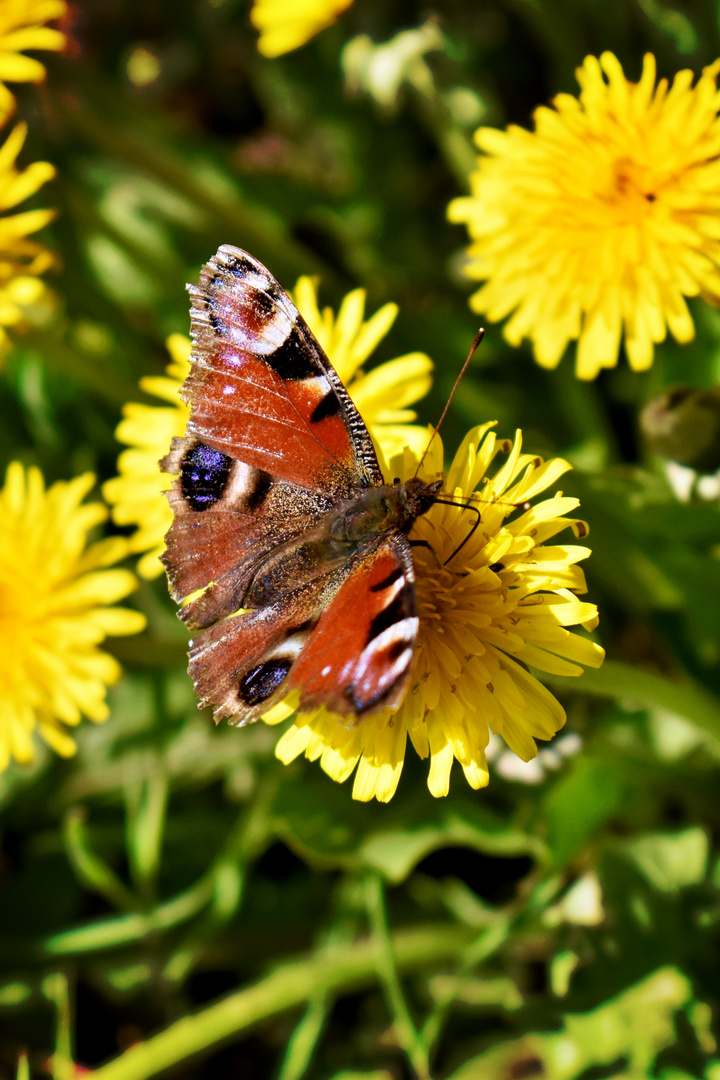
22 27
487 611
58 594
137 492
598 224
285 25
21 259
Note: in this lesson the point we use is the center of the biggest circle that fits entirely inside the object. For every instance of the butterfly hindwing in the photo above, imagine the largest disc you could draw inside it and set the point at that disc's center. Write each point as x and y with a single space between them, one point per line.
358 657
345 643
240 666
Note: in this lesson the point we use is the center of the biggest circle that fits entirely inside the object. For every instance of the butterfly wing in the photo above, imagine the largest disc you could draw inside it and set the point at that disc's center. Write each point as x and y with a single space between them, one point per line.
262 390
273 439
358 657
220 548
274 446
343 642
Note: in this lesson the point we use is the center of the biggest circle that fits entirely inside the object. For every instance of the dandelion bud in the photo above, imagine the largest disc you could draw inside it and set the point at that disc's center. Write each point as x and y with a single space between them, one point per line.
683 424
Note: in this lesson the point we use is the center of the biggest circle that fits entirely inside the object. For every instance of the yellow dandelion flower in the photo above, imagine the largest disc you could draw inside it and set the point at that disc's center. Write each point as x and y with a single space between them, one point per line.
136 493
501 604
58 597
21 28
348 341
21 259
601 221
285 25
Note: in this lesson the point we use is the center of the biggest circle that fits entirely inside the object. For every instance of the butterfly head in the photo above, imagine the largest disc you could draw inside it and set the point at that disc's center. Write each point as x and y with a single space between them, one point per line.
415 497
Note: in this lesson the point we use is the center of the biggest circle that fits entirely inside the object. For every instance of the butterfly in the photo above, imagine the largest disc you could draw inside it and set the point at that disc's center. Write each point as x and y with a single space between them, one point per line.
292 549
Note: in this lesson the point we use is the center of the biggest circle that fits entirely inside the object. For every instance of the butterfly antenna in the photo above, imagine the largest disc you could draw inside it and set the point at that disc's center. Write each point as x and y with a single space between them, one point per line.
478 338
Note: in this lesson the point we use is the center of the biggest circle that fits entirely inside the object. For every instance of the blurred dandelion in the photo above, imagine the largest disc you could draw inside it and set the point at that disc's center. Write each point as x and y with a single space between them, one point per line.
285 25
21 28
598 224
21 259
58 597
136 493
503 601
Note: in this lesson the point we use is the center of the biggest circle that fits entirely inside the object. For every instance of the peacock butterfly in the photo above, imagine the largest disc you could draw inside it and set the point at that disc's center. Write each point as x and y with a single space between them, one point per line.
283 522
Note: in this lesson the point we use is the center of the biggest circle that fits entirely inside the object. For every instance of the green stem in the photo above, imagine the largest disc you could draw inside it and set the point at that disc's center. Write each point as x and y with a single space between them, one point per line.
56 989
346 968
122 930
304 1039
489 941
557 24
246 839
146 804
405 1030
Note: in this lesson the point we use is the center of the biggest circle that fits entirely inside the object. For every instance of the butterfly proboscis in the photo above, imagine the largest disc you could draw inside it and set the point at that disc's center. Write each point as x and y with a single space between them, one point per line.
465 504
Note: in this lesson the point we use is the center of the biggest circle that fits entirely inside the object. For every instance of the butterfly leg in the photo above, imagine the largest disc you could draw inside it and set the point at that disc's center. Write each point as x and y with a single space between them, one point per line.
430 548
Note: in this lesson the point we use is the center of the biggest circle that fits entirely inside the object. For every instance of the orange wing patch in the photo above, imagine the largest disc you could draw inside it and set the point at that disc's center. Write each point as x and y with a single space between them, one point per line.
359 655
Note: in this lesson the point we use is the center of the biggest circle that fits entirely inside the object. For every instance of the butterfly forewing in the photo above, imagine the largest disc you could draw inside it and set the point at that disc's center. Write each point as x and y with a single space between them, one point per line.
262 389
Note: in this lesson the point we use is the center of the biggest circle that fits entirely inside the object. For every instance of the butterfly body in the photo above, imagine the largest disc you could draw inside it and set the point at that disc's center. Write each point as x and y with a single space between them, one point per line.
282 516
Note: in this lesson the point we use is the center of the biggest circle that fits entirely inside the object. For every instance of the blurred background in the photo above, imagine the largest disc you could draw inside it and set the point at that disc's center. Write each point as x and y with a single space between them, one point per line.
563 922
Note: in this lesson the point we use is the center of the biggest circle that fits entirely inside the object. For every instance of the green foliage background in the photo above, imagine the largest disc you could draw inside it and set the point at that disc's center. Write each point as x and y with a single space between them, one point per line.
174 883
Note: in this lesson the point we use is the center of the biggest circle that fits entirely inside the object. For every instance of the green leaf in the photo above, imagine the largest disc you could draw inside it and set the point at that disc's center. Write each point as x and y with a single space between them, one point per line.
320 822
93 871
636 1025
645 689
477 993
589 792
670 861
14 993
